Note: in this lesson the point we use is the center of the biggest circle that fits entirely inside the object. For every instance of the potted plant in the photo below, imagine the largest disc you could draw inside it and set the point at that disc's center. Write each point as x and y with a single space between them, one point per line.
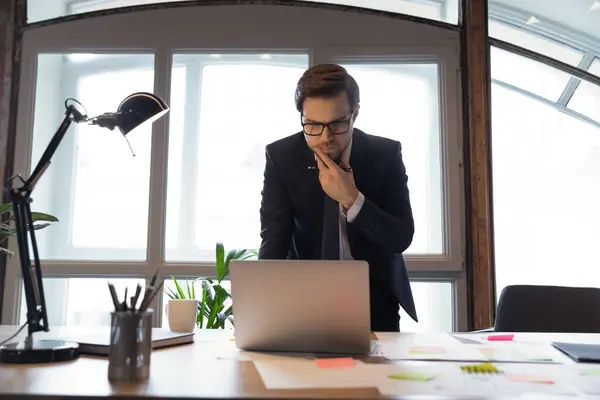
215 307
6 230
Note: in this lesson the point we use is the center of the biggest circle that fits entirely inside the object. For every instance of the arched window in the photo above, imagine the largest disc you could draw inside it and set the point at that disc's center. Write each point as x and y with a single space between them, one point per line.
197 175
546 144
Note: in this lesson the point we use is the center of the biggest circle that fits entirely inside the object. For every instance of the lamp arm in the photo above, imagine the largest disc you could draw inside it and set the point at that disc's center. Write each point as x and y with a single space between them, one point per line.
20 197
71 115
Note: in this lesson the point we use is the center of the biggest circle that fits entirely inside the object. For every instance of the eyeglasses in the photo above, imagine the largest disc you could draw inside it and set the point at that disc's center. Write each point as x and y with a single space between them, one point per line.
338 127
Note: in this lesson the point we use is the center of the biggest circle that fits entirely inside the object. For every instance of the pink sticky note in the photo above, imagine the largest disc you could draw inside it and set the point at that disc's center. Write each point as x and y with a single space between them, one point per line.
501 337
335 362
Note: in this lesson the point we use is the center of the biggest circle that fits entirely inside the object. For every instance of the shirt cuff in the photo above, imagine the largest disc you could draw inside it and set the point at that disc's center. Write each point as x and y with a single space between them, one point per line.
355 209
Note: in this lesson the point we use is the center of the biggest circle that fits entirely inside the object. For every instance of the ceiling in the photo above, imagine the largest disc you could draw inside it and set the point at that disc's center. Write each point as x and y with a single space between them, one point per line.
582 16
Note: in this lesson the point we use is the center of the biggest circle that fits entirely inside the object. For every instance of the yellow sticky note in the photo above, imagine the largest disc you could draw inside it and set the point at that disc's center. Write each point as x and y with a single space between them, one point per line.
485 368
412 376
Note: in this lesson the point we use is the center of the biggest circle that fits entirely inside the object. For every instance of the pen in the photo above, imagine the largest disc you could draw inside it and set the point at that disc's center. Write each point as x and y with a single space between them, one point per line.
134 298
113 295
150 294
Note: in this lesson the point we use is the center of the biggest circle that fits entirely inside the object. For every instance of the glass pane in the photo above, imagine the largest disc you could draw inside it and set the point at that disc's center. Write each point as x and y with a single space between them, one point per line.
586 99
95 186
571 20
447 11
434 302
216 157
527 74
435 308
546 169
81 301
414 122
523 38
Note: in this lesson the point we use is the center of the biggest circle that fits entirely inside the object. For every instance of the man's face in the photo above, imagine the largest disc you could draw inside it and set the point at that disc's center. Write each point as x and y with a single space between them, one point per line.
334 118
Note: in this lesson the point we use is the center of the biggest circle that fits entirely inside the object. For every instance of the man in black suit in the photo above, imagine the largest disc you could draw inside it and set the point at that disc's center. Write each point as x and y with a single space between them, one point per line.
332 191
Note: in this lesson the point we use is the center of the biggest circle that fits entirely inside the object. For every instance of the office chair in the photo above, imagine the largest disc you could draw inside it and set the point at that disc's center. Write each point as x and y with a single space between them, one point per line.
529 308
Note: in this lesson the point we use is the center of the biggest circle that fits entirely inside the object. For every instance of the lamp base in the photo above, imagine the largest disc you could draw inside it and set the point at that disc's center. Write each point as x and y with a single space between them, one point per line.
38 351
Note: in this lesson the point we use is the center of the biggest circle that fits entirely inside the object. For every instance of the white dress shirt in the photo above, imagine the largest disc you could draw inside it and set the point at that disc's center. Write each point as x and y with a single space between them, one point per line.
353 211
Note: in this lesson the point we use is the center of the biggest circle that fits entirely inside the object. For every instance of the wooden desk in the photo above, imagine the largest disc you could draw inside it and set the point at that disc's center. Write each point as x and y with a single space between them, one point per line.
189 371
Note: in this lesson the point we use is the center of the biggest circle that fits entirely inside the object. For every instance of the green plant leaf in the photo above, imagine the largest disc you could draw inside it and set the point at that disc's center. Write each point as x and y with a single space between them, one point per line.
189 288
40 226
38 216
220 261
202 308
238 254
170 293
178 288
6 251
6 230
5 207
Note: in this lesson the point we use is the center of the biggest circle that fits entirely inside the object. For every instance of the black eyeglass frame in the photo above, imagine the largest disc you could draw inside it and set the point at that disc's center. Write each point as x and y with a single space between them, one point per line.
328 125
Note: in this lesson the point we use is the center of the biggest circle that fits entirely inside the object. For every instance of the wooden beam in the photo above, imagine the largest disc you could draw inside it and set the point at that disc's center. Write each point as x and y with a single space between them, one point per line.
478 164
13 17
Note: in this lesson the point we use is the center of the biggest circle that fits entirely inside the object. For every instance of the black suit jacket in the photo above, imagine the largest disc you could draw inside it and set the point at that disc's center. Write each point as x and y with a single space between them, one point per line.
292 218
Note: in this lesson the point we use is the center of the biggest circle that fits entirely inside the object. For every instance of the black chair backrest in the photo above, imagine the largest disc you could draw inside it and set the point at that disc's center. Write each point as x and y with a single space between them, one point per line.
525 308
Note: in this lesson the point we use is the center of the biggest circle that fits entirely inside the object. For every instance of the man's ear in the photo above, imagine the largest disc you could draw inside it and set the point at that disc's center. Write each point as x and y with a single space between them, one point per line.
356 112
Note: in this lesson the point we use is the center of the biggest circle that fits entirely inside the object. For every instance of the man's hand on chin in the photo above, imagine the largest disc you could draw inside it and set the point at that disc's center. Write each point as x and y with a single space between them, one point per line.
338 183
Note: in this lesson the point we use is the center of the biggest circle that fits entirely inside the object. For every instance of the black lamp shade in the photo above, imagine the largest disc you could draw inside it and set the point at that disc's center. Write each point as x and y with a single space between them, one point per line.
139 108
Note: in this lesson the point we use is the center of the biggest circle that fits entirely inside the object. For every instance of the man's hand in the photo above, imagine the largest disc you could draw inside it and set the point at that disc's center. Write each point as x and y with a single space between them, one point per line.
335 181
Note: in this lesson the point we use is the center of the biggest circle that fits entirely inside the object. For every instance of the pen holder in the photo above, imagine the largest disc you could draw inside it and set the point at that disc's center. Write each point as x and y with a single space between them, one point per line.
130 346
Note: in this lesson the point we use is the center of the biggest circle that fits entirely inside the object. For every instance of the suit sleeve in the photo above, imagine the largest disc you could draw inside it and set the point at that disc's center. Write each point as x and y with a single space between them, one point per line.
390 222
276 218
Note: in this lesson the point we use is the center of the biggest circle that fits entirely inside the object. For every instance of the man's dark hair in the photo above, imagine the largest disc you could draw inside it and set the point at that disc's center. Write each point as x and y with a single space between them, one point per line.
326 81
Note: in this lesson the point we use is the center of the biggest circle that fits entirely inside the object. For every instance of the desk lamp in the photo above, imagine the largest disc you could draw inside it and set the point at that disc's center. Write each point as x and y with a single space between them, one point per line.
135 110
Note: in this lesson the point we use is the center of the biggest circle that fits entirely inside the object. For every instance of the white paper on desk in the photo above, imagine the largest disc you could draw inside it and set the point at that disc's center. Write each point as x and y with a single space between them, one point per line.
430 352
518 353
514 381
288 373
587 379
498 386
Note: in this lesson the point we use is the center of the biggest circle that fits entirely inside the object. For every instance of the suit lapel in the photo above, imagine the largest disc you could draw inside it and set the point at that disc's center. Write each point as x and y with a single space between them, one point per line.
359 159
361 169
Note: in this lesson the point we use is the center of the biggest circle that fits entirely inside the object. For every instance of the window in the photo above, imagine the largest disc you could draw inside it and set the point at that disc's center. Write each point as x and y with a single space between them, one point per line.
545 170
414 122
535 42
234 106
435 308
439 10
586 99
81 301
196 175
95 186
527 74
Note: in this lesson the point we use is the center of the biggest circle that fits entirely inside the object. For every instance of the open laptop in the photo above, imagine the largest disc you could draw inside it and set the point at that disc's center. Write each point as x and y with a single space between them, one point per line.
301 306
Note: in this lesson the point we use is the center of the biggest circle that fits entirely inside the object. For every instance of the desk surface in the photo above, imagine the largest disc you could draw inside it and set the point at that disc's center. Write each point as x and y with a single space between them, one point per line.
209 368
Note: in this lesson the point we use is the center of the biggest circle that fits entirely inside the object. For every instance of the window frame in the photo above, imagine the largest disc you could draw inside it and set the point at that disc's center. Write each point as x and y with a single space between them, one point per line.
406 37
450 145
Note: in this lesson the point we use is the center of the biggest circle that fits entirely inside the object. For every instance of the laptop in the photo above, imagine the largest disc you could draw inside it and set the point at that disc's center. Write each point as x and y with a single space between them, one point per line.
302 306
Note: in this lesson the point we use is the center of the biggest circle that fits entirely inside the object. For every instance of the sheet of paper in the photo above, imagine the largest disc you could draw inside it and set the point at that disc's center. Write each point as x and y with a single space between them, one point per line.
517 353
286 373
498 385
454 352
